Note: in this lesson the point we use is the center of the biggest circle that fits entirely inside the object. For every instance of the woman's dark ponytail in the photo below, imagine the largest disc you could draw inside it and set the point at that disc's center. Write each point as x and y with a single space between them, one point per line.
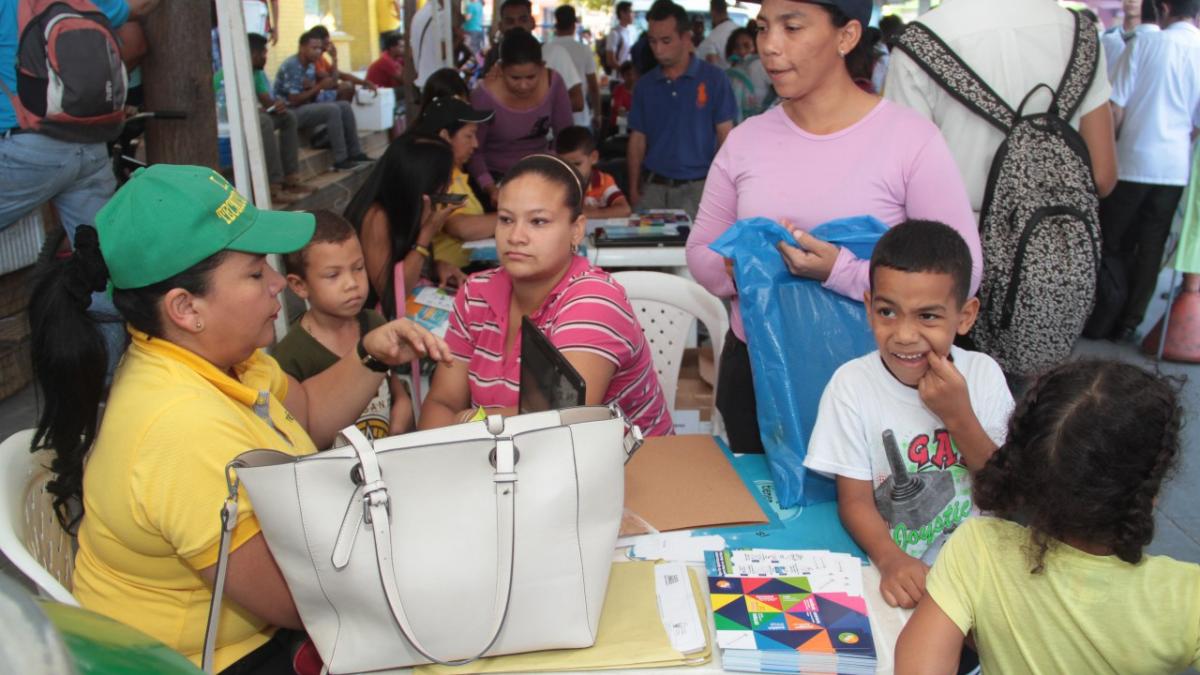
70 360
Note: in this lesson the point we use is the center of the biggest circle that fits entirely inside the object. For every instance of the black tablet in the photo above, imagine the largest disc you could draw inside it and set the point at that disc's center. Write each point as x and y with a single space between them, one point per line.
548 380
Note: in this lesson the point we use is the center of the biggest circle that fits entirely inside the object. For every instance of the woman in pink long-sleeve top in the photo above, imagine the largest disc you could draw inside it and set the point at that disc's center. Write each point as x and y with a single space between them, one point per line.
829 151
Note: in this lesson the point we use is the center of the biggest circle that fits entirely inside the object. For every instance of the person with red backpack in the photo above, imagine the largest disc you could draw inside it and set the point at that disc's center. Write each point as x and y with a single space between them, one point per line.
62 97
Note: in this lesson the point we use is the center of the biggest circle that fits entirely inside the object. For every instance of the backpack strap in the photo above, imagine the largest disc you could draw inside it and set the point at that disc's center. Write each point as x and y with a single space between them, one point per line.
953 75
1081 69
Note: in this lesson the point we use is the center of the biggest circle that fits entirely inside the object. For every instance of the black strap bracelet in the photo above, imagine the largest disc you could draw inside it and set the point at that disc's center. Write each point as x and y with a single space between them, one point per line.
373 364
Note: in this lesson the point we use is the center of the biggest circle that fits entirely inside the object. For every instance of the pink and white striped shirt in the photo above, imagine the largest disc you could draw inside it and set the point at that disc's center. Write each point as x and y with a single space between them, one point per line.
586 312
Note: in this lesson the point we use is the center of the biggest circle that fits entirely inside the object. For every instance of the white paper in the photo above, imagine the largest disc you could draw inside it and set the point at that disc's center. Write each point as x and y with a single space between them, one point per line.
686 421
676 547
830 572
677 607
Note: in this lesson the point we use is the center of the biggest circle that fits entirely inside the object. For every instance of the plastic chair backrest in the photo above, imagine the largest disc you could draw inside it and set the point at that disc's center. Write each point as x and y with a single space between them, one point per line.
30 535
666 306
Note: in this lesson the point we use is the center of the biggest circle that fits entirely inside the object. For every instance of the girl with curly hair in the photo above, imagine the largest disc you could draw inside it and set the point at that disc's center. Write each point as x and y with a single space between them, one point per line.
1058 580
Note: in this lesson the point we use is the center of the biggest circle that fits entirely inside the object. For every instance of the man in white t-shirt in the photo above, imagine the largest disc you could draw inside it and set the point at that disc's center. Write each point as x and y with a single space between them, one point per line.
622 37
1156 104
1014 46
1139 18
584 59
426 43
712 49
903 428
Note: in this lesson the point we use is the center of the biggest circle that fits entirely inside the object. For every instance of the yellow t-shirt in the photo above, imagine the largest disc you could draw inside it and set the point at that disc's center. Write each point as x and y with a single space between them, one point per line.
154 484
385 16
1082 614
447 247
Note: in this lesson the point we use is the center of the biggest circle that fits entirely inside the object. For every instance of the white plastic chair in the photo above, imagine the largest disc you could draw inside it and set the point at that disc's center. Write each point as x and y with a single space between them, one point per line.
30 535
666 306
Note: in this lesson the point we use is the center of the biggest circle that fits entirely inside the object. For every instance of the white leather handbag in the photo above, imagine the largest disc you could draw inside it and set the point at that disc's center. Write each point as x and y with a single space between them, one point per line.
479 539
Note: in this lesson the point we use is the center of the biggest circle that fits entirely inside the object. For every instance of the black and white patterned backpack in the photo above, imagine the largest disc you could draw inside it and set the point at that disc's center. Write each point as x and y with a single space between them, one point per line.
1039 225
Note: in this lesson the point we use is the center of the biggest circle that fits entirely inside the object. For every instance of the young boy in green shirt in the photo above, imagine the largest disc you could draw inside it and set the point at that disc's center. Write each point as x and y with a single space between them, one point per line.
331 275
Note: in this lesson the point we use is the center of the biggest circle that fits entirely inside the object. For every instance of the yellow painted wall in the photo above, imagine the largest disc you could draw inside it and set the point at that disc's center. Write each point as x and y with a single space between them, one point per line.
291 27
359 22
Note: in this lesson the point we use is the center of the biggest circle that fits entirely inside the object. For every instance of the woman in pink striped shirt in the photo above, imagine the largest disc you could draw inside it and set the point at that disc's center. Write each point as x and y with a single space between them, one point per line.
583 312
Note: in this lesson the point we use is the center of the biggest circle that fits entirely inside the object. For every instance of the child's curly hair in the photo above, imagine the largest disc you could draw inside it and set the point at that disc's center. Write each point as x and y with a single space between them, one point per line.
1088 449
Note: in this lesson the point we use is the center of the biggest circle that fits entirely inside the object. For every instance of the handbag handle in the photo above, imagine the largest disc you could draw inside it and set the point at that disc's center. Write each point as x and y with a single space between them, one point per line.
377 513
228 522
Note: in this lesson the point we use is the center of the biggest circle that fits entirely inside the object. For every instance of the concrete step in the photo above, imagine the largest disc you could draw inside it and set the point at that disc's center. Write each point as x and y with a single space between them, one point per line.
374 143
316 161
333 189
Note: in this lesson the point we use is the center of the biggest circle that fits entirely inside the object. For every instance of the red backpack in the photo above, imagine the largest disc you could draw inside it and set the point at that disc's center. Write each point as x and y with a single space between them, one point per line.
71 83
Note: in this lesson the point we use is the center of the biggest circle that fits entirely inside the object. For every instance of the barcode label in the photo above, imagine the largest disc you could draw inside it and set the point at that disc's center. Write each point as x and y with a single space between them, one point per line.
670 579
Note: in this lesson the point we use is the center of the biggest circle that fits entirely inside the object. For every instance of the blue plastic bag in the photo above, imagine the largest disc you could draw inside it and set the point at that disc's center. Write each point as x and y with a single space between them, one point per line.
799 334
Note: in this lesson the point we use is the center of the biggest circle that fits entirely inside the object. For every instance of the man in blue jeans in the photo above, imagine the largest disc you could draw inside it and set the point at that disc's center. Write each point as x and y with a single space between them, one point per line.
35 168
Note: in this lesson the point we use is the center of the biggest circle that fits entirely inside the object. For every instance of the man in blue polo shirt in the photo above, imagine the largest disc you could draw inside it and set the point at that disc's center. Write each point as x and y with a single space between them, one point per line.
682 111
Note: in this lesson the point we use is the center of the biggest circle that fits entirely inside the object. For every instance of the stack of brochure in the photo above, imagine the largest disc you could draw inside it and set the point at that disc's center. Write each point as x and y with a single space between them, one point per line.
430 307
783 611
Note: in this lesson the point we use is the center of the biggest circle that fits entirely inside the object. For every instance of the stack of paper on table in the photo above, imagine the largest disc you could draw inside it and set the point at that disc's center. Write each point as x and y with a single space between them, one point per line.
779 611
631 632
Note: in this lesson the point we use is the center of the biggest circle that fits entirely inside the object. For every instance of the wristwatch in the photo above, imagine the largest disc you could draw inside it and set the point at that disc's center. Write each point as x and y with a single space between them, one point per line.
373 364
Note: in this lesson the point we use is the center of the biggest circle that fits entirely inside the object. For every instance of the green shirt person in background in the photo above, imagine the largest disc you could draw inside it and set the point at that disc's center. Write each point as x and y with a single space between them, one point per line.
282 152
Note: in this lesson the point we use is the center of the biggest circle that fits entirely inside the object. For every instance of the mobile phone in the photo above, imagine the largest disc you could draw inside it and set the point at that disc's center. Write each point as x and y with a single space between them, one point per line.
451 199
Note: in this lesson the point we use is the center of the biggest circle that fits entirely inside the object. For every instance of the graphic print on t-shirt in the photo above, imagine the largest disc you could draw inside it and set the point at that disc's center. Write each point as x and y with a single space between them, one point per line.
926 494
541 128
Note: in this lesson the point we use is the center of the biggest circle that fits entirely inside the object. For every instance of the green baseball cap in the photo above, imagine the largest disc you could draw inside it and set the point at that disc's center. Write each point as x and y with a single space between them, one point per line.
169 217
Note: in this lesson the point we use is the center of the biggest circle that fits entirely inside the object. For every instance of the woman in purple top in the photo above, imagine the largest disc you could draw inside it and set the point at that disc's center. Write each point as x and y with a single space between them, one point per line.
527 99
829 151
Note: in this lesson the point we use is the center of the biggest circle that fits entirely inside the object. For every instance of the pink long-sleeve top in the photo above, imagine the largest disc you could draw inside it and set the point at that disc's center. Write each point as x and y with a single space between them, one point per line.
892 164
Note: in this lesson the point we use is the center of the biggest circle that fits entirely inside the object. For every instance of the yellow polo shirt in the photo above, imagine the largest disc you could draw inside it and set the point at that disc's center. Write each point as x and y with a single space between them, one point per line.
447 247
1083 614
154 484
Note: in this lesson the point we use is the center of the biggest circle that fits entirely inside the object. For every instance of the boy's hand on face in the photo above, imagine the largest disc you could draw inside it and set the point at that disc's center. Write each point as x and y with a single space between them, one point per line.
944 390
903 580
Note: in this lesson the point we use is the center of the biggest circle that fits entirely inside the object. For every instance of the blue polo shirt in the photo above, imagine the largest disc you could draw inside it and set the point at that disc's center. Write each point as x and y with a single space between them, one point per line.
116 11
679 118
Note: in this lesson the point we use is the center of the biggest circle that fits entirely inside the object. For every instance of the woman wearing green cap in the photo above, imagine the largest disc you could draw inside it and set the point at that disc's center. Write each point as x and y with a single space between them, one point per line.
185 255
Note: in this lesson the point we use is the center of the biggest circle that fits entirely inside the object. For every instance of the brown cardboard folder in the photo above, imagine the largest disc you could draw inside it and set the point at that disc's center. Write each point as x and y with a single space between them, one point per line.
684 482
630 635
